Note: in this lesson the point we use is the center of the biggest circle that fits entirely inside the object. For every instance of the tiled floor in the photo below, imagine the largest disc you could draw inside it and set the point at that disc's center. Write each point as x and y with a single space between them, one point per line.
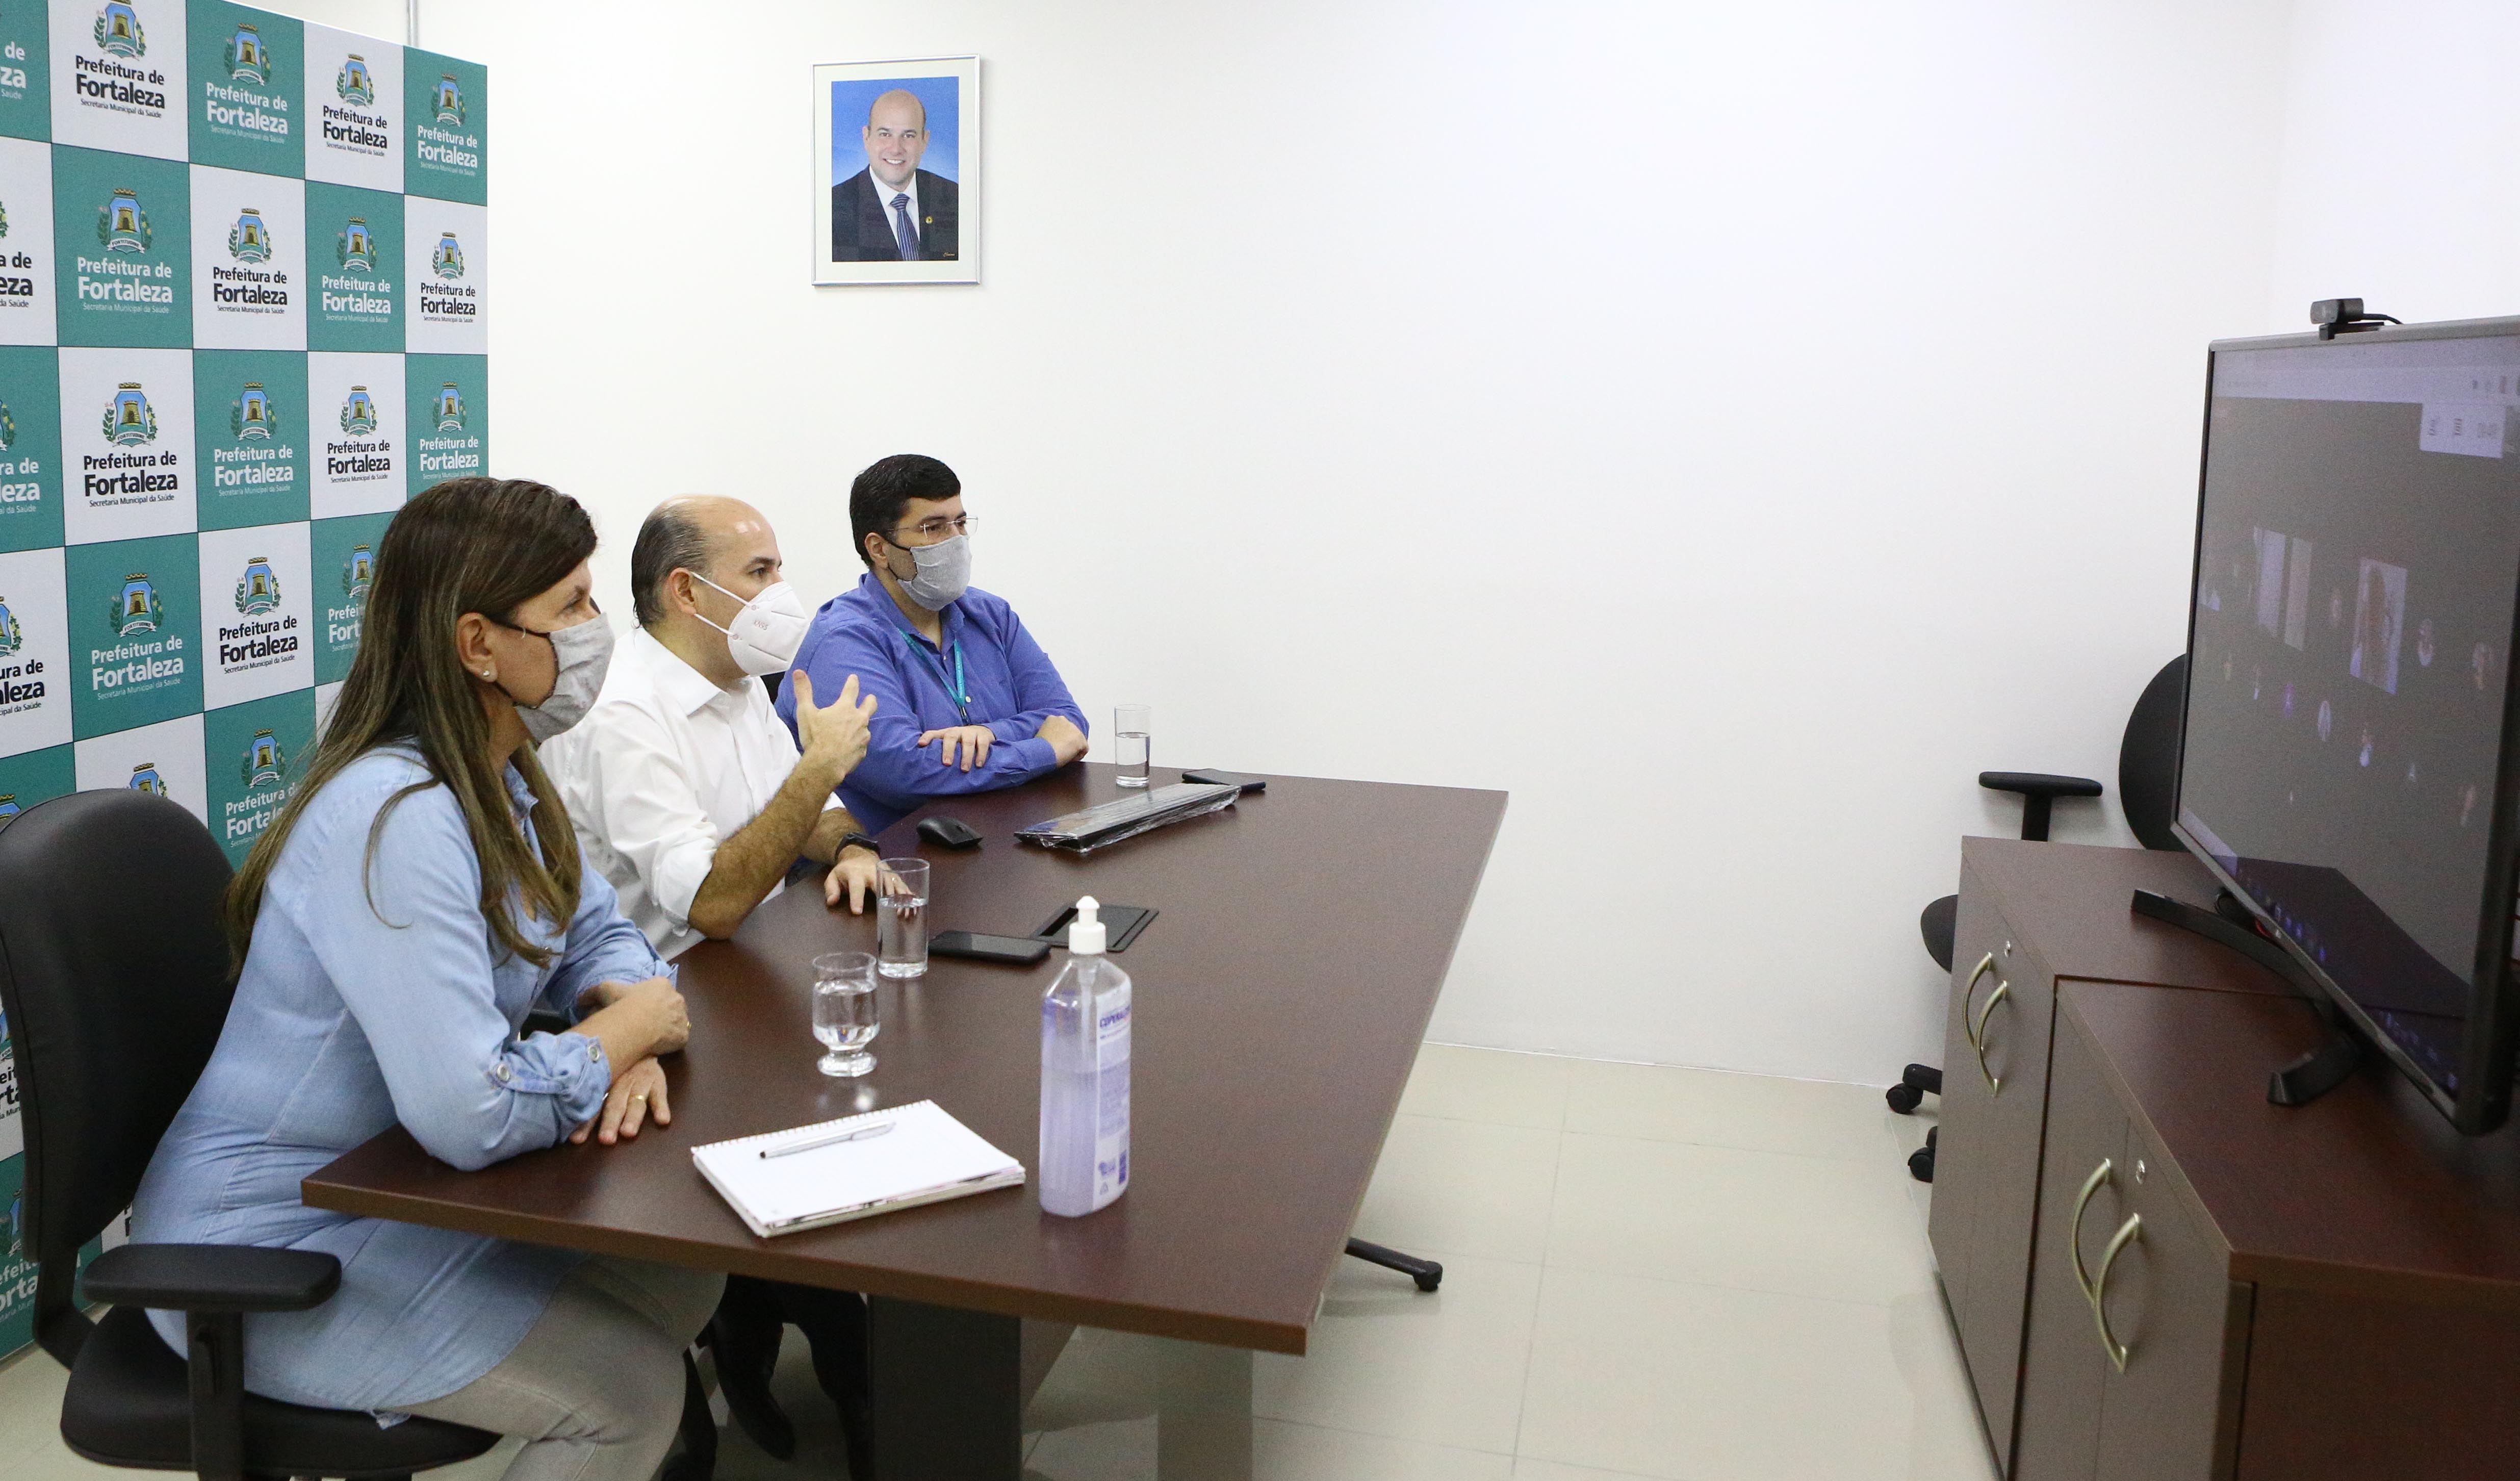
1650 1272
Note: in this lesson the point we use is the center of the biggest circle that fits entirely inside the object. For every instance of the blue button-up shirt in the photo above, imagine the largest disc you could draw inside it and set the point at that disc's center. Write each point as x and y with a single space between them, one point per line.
1011 684
370 995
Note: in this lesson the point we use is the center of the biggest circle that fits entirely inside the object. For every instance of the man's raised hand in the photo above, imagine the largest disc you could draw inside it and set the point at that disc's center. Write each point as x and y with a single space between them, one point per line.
835 735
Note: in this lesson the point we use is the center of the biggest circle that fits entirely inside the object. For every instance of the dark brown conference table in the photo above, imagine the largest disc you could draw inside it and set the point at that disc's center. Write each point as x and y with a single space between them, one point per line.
1281 997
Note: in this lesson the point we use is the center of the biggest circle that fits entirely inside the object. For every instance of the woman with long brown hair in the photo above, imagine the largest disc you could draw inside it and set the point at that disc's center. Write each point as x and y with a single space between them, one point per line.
420 894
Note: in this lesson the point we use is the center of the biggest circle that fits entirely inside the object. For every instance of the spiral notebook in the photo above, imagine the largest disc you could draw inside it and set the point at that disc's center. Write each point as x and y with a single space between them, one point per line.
921 1155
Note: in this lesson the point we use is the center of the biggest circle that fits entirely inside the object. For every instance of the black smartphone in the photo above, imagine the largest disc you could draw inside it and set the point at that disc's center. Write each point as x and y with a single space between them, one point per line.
1015 951
1227 779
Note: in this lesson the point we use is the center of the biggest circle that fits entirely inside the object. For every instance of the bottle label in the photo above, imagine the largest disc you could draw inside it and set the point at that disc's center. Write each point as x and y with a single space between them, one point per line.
1111 1115
1111 1031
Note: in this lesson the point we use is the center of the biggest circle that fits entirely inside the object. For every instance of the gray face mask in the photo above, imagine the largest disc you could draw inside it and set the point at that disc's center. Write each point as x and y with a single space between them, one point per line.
583 652
944 572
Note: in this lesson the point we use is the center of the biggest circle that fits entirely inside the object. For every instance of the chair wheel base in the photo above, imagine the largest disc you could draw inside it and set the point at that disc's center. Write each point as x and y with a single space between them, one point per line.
1425 1272
1903 1098
1920 1162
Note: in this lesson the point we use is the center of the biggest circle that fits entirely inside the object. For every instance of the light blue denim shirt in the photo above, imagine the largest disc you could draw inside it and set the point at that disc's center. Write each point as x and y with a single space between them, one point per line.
361 1006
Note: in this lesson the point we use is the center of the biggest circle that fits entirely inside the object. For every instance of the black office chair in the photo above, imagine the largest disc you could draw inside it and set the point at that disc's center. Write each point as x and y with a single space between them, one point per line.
113 972
2147 775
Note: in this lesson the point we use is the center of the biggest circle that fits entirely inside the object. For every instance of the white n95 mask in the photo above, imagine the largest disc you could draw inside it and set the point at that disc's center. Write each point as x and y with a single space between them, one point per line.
583 652
944 572
767 633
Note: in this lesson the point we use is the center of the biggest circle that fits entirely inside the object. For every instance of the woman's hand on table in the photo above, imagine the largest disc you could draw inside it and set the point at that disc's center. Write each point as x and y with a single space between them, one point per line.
637 1094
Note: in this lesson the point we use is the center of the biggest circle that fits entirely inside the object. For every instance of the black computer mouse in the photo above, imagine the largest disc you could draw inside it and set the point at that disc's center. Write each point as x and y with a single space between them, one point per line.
949 832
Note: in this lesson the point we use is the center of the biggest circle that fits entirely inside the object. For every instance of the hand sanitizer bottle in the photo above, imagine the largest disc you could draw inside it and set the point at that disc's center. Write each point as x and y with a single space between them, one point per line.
1085 1075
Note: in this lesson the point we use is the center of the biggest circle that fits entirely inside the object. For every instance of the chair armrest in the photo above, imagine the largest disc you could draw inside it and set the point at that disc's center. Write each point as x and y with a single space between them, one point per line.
2039 793
212 1278
2038 784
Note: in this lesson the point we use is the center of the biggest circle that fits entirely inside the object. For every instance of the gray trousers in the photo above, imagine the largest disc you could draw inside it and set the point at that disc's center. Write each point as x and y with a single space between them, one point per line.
596 1388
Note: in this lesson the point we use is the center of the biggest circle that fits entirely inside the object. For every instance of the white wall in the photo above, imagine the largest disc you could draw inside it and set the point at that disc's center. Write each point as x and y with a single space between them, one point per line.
389 19
2398 185
1725 428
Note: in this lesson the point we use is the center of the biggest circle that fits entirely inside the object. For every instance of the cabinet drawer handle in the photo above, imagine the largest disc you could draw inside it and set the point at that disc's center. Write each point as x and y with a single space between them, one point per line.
1985 964
2074 1230
2127 1233
1977 1039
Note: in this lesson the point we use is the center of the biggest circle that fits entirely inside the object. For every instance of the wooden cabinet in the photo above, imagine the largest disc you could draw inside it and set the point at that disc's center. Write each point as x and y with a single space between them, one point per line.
2171 1325
2082 1175
2332 1398
1993 1107
2028 913
2125 1371
2157 1275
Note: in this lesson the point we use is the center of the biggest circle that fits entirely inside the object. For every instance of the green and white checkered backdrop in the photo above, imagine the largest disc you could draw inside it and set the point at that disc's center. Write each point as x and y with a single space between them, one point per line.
244 266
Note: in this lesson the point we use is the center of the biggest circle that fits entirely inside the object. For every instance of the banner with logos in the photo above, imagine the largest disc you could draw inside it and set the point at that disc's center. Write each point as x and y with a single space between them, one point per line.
244 277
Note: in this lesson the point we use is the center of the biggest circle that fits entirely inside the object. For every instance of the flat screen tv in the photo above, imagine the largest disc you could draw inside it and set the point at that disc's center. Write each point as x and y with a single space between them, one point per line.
2347 755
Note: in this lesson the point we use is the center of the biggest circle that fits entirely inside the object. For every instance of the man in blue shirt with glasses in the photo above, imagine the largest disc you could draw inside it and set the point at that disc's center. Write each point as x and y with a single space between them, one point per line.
966 700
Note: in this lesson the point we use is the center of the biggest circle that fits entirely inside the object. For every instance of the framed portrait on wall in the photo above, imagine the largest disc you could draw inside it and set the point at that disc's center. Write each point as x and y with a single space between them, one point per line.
897 171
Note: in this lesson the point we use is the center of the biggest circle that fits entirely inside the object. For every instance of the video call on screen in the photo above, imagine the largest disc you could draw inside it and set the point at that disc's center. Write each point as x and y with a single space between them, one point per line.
2360 551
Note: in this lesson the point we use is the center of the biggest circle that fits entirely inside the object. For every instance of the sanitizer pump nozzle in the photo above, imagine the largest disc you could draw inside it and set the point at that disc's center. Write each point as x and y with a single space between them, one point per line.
1085 933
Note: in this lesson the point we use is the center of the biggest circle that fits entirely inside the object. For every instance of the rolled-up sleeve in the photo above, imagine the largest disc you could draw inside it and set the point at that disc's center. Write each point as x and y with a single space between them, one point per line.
650 812
602 947
411 957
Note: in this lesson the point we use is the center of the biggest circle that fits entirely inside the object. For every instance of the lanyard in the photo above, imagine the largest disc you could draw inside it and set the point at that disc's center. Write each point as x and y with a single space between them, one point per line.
957 691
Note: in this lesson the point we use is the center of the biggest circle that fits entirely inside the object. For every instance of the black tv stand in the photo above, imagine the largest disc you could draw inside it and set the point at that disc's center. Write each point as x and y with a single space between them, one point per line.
2314 1074
2317 1072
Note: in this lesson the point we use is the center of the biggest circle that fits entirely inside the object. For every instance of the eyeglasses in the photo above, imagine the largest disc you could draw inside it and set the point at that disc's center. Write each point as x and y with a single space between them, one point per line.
933 530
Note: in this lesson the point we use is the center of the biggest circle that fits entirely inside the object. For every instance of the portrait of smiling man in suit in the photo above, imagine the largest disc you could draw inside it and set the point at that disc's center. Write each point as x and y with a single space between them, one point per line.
897 171
895 210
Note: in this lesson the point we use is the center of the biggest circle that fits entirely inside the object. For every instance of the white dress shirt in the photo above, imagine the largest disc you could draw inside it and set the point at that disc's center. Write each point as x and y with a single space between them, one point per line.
663 768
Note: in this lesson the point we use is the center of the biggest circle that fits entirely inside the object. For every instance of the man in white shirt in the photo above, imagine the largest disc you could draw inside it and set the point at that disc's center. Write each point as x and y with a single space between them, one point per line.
690 796
689 793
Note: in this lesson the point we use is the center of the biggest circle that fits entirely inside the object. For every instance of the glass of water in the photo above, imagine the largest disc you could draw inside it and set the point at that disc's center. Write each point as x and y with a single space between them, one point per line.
845 1016
1132 727
901 919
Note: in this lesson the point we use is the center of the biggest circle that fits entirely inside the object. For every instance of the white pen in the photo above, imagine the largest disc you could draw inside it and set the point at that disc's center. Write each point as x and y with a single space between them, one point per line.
862 1134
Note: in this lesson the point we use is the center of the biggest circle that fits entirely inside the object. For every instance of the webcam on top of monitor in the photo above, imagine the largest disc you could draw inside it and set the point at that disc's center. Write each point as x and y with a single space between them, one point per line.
2344 316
